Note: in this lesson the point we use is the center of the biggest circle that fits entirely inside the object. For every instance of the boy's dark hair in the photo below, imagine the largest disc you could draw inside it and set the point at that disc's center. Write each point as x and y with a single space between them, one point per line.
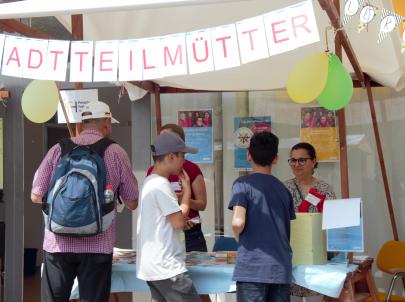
309 148
263 148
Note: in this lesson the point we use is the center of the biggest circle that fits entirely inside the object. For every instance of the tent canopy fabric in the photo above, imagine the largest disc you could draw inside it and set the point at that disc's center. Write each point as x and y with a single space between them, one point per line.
383 62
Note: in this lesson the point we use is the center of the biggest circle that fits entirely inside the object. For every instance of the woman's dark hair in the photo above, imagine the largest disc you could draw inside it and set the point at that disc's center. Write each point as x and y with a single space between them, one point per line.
176 129
309 148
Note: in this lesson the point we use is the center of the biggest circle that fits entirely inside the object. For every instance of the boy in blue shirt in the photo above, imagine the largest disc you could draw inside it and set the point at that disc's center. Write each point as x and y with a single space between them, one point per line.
262 209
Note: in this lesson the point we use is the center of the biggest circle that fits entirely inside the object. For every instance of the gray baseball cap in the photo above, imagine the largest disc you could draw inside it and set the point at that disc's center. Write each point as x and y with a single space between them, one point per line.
168 142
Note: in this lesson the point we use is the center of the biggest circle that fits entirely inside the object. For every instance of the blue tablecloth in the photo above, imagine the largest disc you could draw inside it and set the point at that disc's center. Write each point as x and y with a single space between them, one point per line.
325 279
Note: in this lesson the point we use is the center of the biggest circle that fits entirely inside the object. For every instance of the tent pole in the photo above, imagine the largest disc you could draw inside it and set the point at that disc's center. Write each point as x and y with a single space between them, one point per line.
158 109
381 158
77 35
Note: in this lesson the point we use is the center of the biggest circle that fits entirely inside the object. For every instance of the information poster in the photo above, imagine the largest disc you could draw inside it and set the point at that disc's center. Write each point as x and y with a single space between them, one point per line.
245 127
197 125
319 128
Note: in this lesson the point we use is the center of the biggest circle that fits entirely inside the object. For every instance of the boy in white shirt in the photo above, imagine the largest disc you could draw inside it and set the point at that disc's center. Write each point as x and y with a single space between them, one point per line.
161 254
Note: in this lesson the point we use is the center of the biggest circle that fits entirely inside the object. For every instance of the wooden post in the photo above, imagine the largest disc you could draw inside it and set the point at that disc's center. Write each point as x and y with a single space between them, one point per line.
77 35
381 158
344 171
158 109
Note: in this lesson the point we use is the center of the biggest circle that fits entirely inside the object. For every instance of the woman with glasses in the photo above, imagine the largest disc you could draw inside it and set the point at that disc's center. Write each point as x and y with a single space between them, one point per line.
308 192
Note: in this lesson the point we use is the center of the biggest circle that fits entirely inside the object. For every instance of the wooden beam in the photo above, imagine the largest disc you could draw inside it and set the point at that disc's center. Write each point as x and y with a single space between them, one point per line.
333 14
158 109
357 84
14 26
149 86
381 158
4 94
77 35
168 89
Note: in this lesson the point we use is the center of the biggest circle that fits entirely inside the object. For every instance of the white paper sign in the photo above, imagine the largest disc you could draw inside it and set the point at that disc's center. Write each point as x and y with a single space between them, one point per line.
199 53
81 61
57 60
225 48
341 213
130 60
252 40
36 57
291 27
105 61
174 55
13 56
2 37
152 60
75 101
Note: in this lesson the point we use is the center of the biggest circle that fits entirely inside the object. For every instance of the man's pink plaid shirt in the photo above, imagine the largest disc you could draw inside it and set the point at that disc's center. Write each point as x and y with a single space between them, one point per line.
119 174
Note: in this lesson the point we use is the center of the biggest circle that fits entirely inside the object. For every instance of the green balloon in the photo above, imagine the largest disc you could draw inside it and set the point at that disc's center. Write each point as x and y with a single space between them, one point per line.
40 101
338 90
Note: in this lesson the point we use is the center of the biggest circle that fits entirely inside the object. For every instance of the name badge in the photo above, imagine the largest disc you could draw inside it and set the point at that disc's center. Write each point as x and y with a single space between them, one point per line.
175 186
312 199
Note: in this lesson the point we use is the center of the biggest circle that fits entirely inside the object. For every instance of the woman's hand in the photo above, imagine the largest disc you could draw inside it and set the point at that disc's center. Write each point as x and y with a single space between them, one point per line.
185 182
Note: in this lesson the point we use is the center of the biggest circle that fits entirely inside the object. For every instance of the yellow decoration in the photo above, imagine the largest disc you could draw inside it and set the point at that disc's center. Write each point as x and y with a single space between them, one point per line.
308 78
40 101
308 240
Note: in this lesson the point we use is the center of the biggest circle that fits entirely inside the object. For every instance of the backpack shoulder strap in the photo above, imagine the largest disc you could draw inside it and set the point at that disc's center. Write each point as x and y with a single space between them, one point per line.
66 145
101 145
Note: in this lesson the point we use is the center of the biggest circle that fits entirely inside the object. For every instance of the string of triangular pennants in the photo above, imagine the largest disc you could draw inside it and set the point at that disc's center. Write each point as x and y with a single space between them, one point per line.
367 13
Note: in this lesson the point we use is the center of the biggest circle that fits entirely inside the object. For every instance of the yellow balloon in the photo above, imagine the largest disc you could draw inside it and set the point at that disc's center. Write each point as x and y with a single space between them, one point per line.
40 101
308 78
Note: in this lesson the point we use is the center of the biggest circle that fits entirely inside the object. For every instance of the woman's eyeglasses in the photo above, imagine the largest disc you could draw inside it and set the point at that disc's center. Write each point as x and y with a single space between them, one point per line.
301 161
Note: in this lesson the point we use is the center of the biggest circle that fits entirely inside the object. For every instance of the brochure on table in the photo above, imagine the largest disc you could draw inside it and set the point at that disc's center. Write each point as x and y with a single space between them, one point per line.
343 221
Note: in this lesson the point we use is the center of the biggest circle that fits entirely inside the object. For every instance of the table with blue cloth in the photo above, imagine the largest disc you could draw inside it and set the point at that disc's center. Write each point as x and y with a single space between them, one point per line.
327 279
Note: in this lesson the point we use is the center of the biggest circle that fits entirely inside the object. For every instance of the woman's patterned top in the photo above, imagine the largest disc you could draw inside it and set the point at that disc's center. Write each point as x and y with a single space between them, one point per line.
298 193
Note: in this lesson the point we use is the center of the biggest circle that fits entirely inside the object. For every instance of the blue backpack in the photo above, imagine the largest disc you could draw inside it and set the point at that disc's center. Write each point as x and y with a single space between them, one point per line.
75 204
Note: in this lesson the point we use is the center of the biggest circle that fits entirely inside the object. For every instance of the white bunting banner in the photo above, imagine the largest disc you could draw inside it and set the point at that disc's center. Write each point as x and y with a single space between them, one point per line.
252 40
81 61
352 7
194 52
152 58
288 29
36 56
57 60
389 21
130 61
14 56
105 61
2 37
199 51
174 55
224 40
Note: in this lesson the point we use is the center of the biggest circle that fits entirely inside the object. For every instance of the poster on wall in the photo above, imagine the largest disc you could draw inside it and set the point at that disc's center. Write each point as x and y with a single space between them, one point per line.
244 128
319 128
197 125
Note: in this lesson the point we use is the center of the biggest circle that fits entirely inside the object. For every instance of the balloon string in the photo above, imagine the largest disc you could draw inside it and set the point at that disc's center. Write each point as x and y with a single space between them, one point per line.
64 112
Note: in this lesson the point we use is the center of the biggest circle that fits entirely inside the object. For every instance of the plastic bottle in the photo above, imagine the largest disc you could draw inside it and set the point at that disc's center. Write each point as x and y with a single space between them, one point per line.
108 194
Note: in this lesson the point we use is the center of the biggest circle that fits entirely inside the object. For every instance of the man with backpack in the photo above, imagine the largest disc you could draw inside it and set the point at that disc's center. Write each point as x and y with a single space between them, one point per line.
76 184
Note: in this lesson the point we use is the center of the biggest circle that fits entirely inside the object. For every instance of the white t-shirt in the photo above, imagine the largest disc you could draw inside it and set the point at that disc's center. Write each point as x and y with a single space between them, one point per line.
160 253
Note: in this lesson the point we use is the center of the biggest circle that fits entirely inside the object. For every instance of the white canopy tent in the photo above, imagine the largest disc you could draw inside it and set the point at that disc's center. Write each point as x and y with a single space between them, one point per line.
104 20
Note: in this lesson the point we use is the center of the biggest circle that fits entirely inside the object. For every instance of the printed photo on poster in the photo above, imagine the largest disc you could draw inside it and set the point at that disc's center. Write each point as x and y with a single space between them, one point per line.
245 127
197 125
319 128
